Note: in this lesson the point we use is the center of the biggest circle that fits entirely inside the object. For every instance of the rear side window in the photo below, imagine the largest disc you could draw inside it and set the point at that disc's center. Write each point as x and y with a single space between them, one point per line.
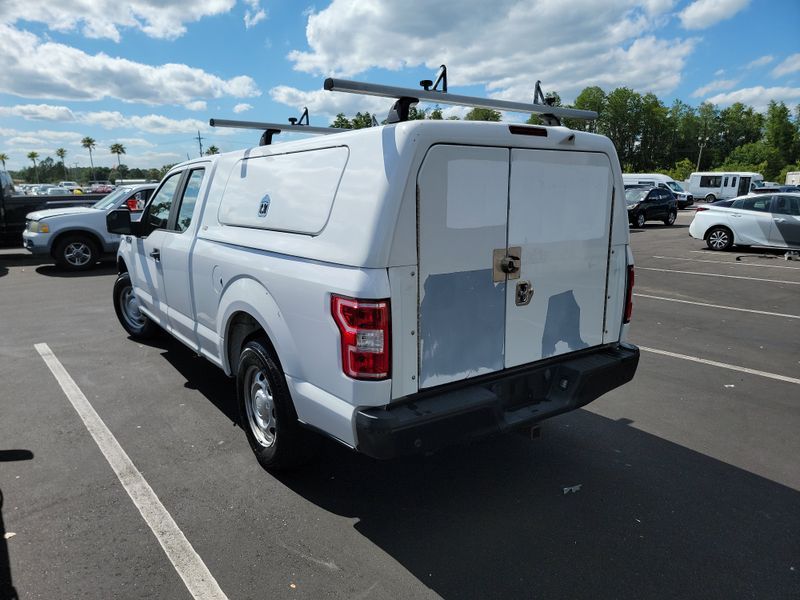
759 204
786 205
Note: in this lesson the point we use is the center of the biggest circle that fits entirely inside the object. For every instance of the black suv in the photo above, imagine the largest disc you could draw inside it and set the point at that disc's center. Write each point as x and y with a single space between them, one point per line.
647 203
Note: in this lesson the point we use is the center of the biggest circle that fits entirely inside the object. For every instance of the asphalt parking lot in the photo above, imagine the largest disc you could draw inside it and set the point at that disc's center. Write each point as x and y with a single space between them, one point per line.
685 482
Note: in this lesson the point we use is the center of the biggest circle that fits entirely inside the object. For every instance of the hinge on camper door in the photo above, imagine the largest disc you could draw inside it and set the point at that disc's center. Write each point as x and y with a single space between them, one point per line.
507 263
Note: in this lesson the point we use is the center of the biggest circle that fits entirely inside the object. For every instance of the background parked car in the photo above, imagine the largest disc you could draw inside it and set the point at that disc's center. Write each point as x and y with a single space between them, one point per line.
647 203
684 198
76 237
753 220
777 189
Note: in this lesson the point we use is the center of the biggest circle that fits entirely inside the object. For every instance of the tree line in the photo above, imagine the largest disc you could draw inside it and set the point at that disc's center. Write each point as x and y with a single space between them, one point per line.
676 140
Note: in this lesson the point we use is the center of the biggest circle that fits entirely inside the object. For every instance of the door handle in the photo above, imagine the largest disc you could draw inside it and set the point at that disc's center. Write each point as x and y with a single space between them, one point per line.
780 220
156 255
735 215
524 293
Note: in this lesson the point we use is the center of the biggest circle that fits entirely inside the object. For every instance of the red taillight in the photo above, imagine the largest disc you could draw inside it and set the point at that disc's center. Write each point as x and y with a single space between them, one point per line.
365 329
700 208
629 296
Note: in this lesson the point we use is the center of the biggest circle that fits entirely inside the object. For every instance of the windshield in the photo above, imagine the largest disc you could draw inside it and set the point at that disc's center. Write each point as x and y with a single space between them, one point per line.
635 195
674 186
108 201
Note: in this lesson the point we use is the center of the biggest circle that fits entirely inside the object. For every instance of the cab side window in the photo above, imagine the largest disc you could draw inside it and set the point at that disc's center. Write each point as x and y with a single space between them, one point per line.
189 199
158 213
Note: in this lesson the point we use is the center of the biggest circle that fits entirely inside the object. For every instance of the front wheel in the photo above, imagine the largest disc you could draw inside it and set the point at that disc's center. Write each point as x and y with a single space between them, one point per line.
76 253
719 238
267 413
670 220
126 305
640 220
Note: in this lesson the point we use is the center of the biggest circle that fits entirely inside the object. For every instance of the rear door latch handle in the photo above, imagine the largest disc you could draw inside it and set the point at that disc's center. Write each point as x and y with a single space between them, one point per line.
524 293
156 254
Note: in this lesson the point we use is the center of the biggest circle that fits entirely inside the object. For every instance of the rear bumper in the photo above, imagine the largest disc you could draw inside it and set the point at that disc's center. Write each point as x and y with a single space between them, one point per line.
503 401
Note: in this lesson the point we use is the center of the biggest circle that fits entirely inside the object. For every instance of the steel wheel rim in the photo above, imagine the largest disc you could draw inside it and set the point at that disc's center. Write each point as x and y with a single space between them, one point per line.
130 309
78 254
260 406
718 239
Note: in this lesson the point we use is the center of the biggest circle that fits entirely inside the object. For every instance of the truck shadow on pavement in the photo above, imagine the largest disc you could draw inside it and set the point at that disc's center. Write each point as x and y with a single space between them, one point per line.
7 590
594 509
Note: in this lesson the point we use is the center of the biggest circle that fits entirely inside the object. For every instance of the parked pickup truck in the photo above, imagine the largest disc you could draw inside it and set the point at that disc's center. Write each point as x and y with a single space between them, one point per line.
14 208
397 288
76 236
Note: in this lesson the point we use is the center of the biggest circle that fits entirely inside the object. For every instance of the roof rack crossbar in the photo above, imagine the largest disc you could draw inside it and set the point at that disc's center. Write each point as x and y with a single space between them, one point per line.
389 91
278 126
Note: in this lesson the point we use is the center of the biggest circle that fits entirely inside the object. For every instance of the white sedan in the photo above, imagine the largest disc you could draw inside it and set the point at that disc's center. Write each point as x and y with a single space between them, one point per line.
756 220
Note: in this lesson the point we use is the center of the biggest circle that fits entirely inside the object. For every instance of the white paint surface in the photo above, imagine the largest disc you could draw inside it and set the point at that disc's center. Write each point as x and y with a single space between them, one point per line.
718 275
191 568
748 310
722 365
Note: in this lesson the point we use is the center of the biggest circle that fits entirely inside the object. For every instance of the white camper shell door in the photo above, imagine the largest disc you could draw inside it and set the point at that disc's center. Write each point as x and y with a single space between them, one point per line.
550 213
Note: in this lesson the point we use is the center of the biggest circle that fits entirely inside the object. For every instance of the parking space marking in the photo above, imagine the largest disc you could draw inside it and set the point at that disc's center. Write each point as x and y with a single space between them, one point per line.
748 310
191 568
722 365
719 275
726 262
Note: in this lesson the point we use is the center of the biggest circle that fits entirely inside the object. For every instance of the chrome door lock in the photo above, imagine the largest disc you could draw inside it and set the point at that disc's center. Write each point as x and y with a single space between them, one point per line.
524 293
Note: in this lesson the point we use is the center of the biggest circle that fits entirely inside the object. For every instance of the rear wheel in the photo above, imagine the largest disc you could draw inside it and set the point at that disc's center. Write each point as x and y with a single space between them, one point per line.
670 220
76 253
267 413
719 238
711 198
640 220
126 305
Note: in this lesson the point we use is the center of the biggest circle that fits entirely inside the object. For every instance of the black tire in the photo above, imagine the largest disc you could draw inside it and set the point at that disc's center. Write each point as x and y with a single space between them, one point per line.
670 220
719 238
711 198
640 220
76 253
267 413
137 324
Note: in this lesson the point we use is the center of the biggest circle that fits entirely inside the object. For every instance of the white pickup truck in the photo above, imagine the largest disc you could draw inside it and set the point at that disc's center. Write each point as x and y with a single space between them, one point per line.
397 288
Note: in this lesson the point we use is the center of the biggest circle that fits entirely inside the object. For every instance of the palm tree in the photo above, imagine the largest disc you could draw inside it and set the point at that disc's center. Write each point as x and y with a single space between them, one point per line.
33 156
3 159
212 150
89 144
62 154
117 149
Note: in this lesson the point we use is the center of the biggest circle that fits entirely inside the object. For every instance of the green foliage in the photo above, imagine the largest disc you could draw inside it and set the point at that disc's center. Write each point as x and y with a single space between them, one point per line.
779 132
360 121
212 150
482 114
759 157
682 169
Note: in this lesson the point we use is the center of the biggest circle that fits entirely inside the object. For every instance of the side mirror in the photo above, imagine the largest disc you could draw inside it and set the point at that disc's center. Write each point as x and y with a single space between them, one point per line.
119 221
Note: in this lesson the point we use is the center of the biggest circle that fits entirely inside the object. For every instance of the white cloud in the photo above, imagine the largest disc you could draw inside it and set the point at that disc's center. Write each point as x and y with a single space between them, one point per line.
254 14
38 112
713 86
104 18
760 62
790 65
196 105
149 123
702 14
37 68
327 104
590 44
243 107
758 97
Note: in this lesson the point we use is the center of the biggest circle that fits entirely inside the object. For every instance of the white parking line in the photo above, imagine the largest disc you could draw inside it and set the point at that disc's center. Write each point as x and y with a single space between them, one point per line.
722 365
749 310
191 568
727 262
718 275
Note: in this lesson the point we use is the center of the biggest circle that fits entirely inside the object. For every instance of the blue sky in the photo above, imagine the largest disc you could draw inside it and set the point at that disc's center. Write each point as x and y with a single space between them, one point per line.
150 73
